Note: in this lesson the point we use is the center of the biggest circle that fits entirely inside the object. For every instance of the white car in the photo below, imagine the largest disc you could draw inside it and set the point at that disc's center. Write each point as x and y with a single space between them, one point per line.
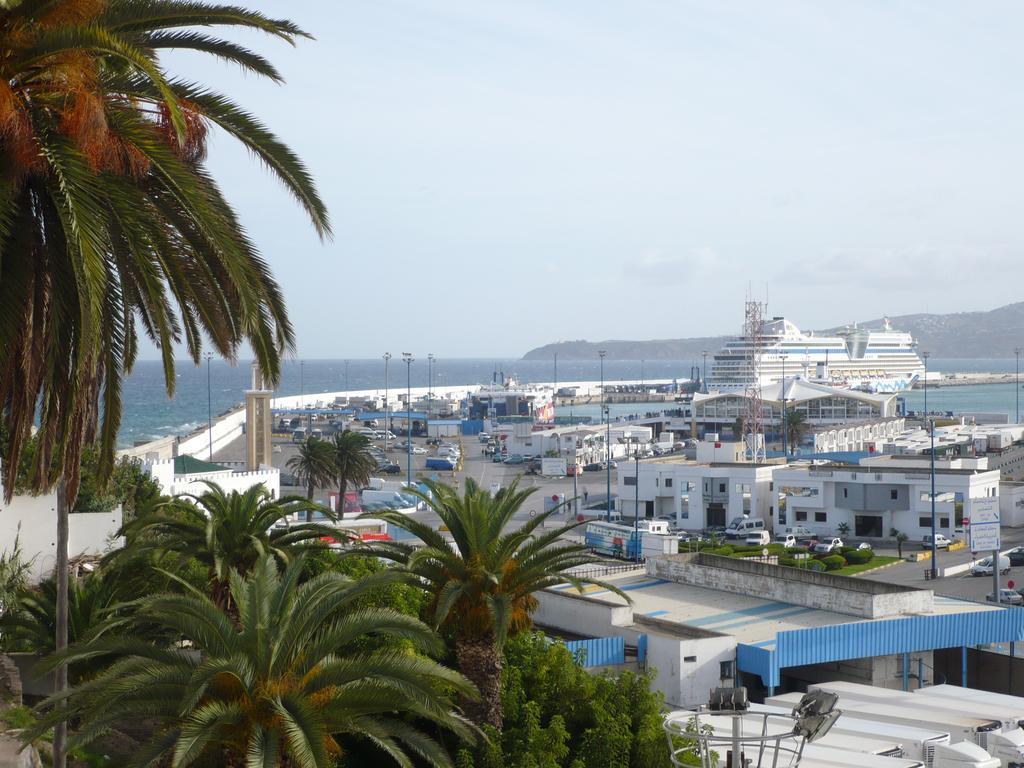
1008 597
829 545
984 567
788 541
418 450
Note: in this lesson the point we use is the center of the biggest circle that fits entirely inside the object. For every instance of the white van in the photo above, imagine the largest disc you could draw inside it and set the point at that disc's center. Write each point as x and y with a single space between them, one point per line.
758 539
984 567
741 527
941 542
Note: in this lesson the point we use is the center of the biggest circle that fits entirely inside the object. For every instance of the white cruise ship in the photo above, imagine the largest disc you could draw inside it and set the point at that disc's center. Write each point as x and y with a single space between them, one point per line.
877 361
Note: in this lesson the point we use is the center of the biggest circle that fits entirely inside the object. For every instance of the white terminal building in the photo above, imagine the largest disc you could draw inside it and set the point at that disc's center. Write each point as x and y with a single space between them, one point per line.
873 497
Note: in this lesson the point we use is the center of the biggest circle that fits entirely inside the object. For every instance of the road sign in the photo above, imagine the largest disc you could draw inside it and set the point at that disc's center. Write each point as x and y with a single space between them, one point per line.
984 537
1010 584
983 530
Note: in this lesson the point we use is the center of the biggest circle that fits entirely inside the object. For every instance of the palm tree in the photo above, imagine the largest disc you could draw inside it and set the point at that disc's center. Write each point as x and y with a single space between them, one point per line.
111 222
313 466
353 461
796 428
225 532
284 685
482 588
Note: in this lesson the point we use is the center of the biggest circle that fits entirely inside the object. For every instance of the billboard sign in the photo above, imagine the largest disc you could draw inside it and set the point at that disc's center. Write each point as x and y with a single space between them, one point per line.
983 530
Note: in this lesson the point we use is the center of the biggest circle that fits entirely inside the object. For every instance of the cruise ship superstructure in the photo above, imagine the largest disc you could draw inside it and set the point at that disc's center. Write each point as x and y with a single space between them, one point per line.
873 360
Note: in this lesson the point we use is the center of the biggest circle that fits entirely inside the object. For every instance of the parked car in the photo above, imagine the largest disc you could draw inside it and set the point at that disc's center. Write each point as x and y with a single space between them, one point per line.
594 466
498 457
1016 556
828 545
741 527
402 446
515 458
941 542
799 531
390 468
1008 597
788 541
758 539
573 469
984 567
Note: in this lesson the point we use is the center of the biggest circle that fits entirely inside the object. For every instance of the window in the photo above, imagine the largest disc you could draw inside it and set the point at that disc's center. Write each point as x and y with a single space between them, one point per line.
846 493
801 516
894 494
821 517
725 670
924 522
689 659
771 511
721 487
668 482
629 480
943 522
771 486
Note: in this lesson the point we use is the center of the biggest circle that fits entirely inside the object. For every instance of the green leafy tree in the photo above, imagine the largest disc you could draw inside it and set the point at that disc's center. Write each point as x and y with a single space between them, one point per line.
558 715
313 466
352 461
127 485
481 588
901 539
14 574
281 686
224 532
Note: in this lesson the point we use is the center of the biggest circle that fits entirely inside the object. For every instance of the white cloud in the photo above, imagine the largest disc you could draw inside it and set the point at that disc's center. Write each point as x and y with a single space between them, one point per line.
662 267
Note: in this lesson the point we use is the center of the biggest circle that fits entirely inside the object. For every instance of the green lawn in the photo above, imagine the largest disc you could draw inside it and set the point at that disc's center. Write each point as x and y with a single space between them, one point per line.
875 562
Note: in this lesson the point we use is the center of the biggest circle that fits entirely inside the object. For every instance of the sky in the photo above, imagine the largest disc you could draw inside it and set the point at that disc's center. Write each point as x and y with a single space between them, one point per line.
505 174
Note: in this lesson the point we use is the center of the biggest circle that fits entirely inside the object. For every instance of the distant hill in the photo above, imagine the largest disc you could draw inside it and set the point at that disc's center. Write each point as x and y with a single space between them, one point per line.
960 335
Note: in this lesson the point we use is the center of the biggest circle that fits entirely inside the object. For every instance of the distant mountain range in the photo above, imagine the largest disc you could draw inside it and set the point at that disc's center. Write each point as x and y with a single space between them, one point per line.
960 335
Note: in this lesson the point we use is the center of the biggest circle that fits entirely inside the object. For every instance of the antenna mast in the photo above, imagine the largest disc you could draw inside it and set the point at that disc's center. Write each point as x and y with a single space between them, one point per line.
753 420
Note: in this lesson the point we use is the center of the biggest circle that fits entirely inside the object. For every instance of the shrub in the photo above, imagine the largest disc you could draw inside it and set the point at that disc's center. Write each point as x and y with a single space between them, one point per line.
834 562
859 556
815 565
725 551
797 550
788 561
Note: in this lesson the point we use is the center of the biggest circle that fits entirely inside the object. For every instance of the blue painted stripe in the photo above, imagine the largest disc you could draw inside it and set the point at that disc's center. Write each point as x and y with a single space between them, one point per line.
757 610
773 617
631 587
656 613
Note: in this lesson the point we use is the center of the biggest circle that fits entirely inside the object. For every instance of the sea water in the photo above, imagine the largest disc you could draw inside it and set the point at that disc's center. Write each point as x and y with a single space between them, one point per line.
149 412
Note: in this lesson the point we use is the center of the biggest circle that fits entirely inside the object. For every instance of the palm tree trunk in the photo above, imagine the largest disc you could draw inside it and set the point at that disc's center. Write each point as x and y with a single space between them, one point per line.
60 731
342 488
480 660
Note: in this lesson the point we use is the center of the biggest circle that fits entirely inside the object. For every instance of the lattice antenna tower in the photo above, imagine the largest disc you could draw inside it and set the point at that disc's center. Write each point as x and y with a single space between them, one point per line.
753 420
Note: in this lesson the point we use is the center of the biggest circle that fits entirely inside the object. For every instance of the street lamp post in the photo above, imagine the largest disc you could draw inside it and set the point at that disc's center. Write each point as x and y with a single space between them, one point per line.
925 356
935 571
576 465
209 403
785 442
636 505
554 393
302 396
407 356
1016 387
430 377
704 373
347 390
607 442
387 419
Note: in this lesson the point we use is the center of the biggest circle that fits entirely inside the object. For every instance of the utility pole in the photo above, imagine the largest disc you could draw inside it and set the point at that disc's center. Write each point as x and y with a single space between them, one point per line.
636 504
1016 387
407 356
935 570
704 373
607 443
387 419
785 426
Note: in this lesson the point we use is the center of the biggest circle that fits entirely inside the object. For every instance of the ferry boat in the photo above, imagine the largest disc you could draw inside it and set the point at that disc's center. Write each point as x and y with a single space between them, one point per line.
882 360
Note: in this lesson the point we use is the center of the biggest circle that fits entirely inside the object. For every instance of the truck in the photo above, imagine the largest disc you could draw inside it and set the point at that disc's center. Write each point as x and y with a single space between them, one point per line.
961 727
622 540
917 743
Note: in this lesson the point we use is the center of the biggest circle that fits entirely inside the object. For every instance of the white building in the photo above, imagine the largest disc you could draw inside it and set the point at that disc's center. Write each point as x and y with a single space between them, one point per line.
581 444
881 494
185 474
698 495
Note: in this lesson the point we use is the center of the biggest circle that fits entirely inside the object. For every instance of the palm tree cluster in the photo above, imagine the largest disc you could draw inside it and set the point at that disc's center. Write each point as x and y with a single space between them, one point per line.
343 462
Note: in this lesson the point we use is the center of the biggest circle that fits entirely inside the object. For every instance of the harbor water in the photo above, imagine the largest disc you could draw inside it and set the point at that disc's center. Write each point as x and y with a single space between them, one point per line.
149 413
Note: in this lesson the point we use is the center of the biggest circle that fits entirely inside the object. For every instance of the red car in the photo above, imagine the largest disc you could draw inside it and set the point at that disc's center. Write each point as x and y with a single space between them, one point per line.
574 469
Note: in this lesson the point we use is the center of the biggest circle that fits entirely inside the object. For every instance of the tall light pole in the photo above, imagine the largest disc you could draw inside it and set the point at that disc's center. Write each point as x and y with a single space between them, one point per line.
1016 387
576 464
704 373
209 402
302 396
641 373
636 505
925 356
430 376
607 441
785 445
387 419
935 571
407 356
347 390
554 393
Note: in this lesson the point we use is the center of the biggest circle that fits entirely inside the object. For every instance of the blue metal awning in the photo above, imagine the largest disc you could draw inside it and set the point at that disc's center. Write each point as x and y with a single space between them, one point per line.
883 637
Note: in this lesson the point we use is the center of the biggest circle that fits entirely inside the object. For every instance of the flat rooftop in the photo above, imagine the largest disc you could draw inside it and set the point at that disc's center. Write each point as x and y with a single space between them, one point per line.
751 620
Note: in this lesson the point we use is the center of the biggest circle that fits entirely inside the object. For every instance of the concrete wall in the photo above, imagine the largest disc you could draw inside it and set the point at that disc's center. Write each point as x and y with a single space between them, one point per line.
162 472
33 519
686 669
840 594
581 615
